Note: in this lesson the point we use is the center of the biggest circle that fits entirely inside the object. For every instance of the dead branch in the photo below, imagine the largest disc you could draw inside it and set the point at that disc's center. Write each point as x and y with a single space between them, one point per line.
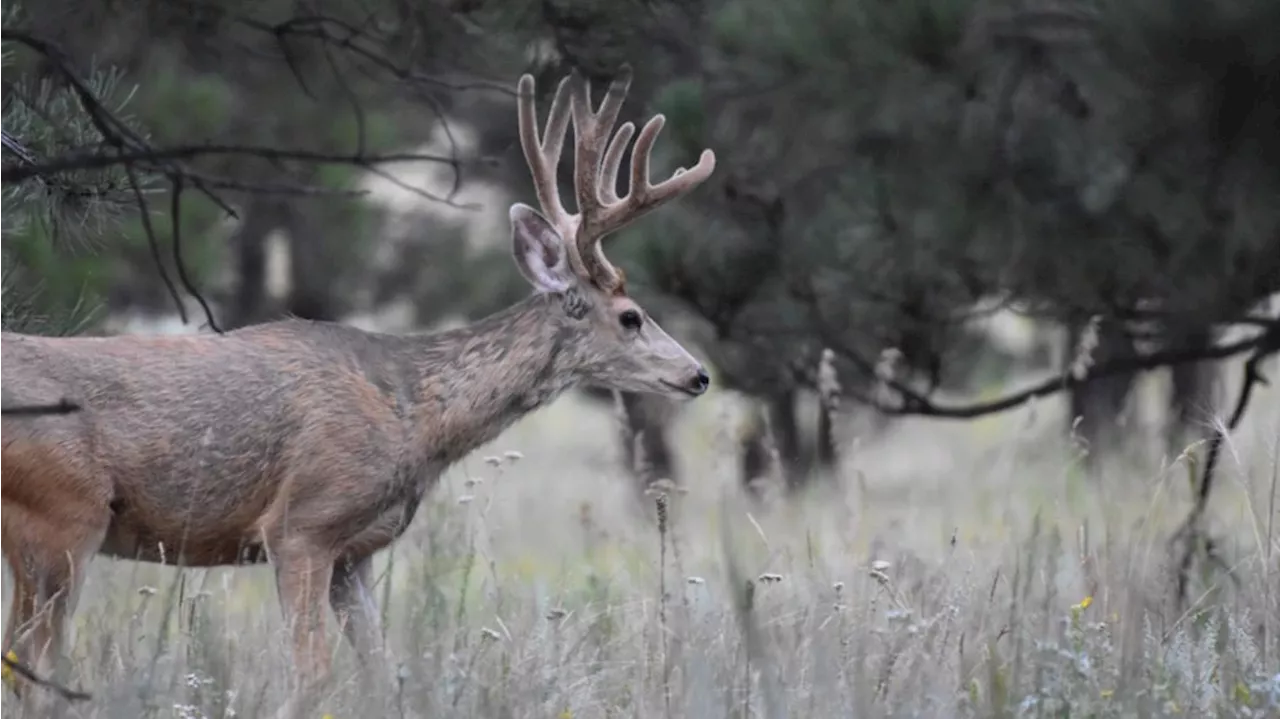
121 147
96 159
916 403
62 406
1191 534
71 695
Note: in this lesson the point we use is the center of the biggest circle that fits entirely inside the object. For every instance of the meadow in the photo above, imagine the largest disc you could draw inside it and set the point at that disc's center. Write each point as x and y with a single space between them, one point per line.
952 570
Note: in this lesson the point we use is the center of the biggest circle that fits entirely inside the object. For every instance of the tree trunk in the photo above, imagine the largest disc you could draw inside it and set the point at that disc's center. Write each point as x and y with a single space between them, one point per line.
756 454
1098 407
785 426
1192 398
643 436
829 391
311 296
249 304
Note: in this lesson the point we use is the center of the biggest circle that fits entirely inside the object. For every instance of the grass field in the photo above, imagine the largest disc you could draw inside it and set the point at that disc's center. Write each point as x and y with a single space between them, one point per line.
960 569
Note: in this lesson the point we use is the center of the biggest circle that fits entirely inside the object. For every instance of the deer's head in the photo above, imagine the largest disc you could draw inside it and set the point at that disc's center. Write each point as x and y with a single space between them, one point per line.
560 253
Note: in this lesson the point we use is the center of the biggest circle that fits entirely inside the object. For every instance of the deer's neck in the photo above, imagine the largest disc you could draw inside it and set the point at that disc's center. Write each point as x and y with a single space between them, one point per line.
474 382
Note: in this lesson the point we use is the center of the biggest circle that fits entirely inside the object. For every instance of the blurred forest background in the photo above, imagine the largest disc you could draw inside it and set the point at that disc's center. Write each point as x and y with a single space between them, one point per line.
944 195
921 208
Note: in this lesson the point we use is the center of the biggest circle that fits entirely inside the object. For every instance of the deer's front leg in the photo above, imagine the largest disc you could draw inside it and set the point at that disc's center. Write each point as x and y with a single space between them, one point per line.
304 572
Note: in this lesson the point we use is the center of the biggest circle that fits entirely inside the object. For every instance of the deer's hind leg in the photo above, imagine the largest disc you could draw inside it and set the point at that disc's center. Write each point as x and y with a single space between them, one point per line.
47 546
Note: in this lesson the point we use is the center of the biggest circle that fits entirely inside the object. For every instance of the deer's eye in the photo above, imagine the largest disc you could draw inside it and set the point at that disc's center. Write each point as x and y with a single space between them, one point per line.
631 319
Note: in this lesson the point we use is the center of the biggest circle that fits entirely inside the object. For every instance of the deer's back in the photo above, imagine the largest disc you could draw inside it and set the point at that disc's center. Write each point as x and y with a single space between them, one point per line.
197 435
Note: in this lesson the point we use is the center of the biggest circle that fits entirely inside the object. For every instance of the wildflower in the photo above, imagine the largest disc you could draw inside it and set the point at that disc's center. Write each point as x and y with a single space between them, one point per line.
188 711
881 565
488 633
493 461
6 674
1107 693
769 578
512 455
566 714
695 580
1077 609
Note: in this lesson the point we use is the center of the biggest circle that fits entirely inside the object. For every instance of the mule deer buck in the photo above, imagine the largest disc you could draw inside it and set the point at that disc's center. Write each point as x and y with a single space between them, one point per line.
309 445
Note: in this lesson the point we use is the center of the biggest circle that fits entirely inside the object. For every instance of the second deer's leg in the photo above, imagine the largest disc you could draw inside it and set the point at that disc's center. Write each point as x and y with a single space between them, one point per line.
353 603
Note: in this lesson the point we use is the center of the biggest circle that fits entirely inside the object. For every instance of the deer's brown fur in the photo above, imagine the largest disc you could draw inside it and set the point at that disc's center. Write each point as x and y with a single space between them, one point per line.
306 444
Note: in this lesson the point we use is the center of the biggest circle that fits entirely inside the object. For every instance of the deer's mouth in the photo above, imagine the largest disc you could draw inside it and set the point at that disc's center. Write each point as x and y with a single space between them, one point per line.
682 390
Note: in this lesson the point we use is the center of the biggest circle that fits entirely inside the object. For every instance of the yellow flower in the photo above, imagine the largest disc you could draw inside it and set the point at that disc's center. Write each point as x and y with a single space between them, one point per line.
1107 693
566 714
1241 693
1078 609
6 674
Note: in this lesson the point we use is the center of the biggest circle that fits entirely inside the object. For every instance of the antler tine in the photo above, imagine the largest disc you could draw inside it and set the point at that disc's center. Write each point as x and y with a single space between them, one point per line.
596 185
613 161
543 154
600 210
643 197
592 129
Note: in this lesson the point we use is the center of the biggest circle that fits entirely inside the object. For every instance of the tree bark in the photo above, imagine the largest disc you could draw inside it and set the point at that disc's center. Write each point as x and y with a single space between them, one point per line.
797 463
646 449
1098 407
755 454
249 304
1192 397
311 295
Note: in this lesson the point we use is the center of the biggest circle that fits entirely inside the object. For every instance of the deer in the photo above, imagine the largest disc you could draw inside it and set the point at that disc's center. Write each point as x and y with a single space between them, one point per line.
309 445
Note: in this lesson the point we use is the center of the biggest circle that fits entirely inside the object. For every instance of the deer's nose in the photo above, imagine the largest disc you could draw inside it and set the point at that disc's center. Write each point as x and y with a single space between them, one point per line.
701 380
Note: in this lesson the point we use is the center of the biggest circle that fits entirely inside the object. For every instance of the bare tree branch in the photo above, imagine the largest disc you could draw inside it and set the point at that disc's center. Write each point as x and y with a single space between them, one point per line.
71 695
62 406
917 403
175 211
95 159
1191 533
123 148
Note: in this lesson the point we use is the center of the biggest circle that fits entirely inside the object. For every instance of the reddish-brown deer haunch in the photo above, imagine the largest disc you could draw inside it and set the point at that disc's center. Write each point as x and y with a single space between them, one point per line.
310 444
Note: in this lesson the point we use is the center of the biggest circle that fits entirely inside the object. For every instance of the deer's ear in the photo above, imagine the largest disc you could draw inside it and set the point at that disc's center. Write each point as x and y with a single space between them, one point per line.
539 250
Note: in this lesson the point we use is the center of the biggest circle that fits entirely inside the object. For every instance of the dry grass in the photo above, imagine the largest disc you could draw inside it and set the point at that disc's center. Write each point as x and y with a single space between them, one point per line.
961 570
